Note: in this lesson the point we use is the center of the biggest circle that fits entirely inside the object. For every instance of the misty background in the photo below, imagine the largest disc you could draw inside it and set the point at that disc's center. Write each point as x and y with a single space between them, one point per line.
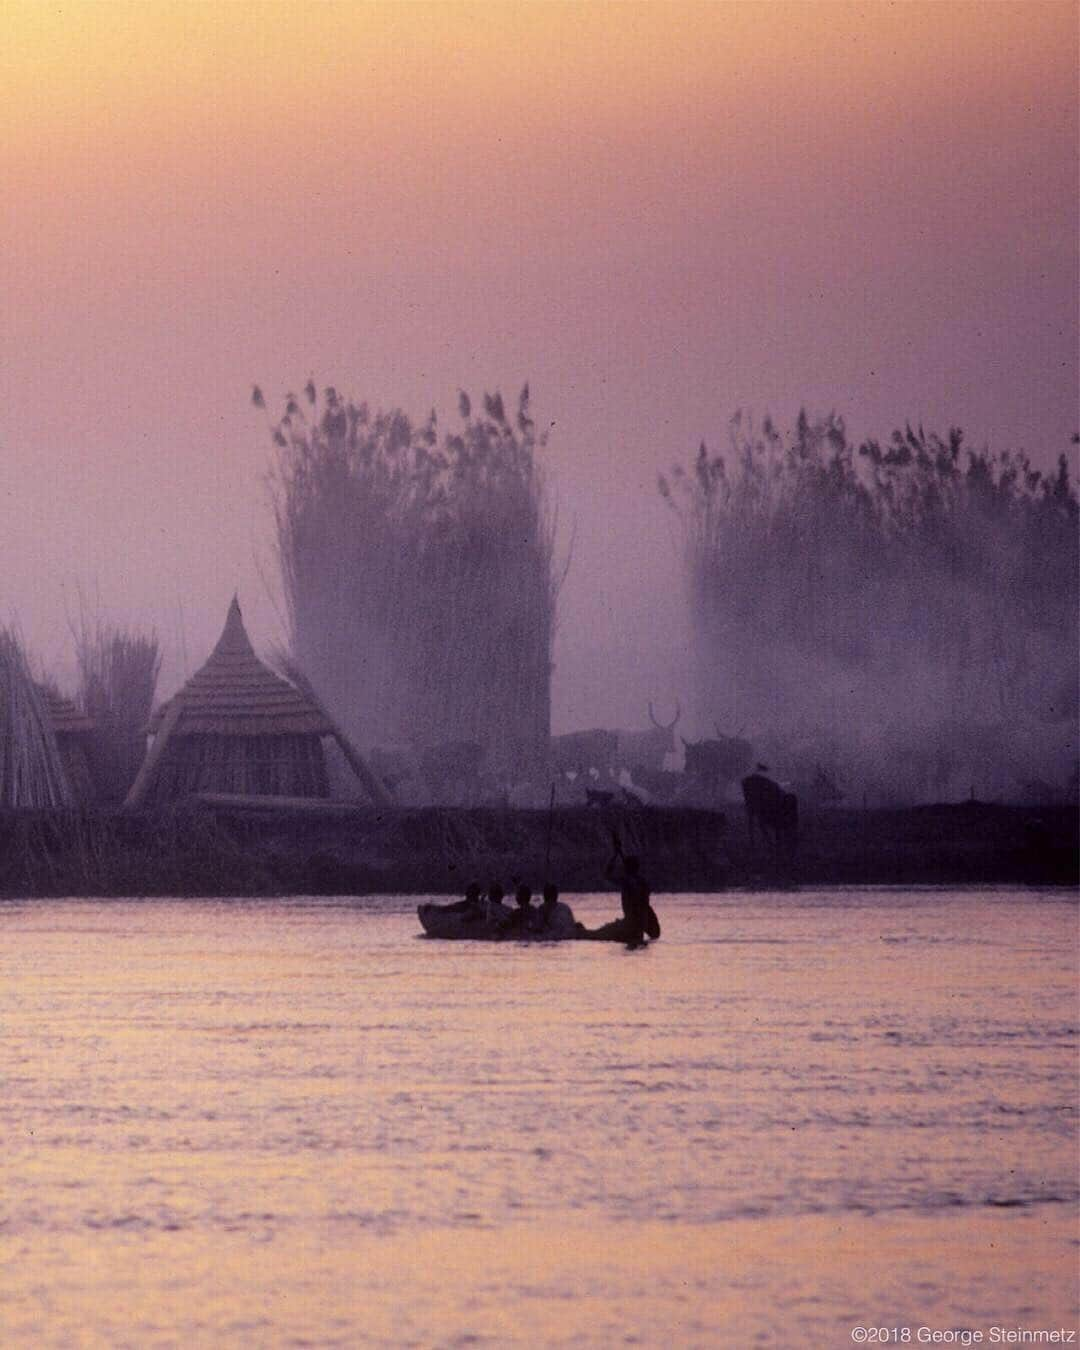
655 217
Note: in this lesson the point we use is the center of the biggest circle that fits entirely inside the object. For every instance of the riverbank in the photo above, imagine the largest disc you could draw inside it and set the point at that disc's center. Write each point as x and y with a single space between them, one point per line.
220 848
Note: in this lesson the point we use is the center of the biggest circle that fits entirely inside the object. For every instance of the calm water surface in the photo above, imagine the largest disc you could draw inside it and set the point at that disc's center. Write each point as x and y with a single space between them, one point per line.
297 1123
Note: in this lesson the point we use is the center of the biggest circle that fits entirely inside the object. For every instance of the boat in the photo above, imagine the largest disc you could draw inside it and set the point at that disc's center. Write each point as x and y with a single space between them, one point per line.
452 923
493 925
440 922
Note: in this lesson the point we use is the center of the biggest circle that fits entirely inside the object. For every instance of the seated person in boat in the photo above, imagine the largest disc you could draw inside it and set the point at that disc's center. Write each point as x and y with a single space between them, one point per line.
472 905
554 919
494 912
521 920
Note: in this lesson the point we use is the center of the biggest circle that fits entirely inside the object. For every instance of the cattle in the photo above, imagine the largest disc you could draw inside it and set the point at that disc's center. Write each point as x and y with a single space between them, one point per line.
580 751
638 750
770 810
714 764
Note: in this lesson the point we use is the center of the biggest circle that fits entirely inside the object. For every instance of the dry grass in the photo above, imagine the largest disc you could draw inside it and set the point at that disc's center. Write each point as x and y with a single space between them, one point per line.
118 673
31 769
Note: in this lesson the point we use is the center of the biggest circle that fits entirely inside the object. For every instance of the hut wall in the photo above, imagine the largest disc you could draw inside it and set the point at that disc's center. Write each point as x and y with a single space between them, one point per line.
264 766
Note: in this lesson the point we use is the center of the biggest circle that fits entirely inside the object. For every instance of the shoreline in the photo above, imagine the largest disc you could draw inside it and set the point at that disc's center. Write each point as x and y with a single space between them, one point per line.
219 849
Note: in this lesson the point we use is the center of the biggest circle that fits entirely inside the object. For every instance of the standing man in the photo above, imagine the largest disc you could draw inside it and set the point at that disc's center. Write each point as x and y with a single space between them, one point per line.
639 918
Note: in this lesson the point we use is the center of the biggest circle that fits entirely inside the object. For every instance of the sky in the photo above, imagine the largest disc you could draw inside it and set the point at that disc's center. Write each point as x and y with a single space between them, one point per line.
654 213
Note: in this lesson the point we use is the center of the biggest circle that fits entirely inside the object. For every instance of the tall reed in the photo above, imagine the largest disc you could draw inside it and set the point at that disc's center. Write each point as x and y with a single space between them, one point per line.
418 572
909 609
31 769
118 674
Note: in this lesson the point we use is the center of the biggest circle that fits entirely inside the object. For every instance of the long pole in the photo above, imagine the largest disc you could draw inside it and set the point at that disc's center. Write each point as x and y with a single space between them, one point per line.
547 851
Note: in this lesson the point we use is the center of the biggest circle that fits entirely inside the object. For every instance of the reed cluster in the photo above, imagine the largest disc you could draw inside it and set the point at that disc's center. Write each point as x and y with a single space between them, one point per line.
418 572
118 672
31 769
913 602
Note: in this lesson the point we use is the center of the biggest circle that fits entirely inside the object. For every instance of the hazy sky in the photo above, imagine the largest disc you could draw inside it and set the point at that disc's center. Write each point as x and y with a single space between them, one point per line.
654 213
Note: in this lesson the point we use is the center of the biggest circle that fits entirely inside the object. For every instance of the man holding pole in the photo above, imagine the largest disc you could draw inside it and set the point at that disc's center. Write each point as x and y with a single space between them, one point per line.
639 918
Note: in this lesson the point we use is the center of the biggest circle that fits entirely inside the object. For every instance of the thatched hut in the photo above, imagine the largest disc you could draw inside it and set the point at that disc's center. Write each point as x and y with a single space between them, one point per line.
235 728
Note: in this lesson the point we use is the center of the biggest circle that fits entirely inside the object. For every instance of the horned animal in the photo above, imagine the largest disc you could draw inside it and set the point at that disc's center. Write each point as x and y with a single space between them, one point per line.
647 749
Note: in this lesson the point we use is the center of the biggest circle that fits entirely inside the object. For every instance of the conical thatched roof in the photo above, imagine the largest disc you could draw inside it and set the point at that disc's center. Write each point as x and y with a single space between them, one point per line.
234 694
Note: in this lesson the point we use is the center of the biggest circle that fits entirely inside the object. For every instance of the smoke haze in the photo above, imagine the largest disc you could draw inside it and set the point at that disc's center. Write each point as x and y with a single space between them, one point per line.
654 214
896 622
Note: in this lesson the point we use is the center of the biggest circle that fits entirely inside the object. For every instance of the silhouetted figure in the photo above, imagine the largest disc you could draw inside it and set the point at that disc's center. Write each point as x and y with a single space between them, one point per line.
496 915
554 919
520 921
470 917
639 918
770 810
472 904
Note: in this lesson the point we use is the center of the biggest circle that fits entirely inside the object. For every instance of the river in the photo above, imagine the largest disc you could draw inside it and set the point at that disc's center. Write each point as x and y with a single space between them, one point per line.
298 1123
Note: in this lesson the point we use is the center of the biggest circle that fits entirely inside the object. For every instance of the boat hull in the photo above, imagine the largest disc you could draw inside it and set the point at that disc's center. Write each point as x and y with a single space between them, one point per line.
456 926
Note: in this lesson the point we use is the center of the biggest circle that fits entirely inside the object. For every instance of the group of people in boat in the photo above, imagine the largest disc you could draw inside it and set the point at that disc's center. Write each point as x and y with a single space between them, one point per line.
553 919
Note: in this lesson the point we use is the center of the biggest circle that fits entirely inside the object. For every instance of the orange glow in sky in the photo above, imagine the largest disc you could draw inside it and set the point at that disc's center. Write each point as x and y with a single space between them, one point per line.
654 213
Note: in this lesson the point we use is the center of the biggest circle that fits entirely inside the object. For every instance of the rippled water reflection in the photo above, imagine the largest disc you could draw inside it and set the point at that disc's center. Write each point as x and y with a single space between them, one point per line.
298 1123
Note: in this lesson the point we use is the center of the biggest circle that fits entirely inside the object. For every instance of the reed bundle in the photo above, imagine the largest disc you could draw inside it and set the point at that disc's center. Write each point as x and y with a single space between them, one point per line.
118 673
913 598
31 769
419 574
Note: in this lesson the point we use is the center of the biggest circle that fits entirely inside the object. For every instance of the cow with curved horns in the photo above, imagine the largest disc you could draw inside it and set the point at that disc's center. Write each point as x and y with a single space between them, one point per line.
713 764
646 749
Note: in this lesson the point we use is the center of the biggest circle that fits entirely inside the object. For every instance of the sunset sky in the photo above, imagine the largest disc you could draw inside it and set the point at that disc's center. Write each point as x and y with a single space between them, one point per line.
653 213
